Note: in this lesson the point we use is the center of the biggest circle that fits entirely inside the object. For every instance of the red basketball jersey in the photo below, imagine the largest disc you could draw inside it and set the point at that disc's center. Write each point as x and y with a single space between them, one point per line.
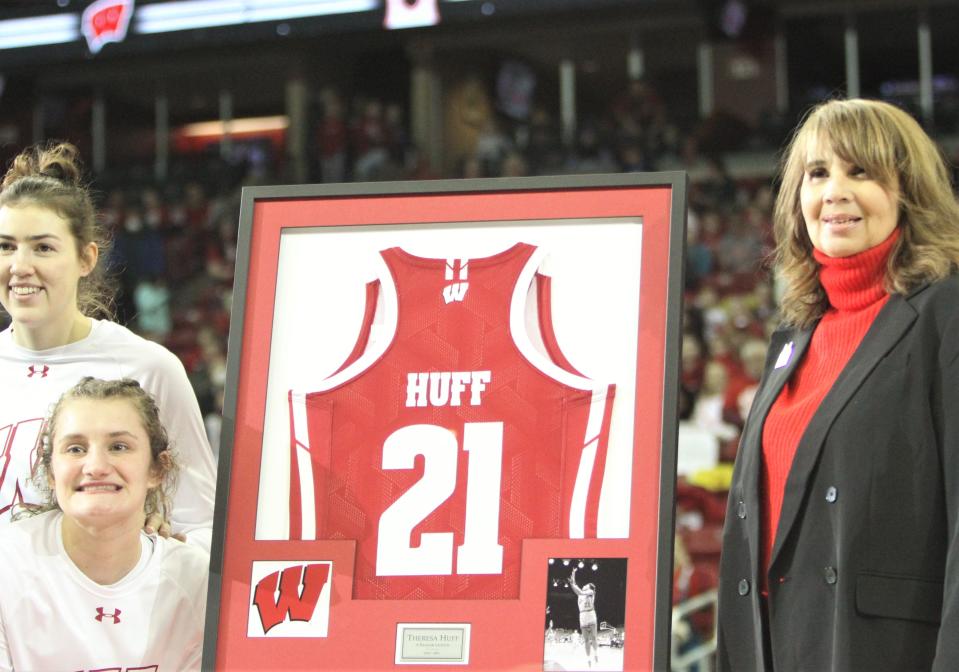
440 448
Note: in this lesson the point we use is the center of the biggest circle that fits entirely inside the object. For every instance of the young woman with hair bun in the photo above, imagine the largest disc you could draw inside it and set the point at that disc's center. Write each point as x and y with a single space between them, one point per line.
60 305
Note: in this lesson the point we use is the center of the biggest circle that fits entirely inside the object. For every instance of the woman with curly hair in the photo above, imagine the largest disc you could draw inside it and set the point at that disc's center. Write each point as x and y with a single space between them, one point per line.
60 304
841 542
83 586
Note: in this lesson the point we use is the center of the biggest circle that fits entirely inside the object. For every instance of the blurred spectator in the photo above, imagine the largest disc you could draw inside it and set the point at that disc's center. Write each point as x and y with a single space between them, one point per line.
369 141
699 257
492 147
195 206
544 149
471 166
151 299
221 248
154 212
716 189
742 387
514 165
397 137
332 138
418 166
708 409
763 303
638 106
693 366
739 252
715 318
689 580
139 252
590 156
633 160
112 212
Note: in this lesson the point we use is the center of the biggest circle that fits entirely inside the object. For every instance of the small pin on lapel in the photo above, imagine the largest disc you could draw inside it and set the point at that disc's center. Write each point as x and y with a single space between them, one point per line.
785 355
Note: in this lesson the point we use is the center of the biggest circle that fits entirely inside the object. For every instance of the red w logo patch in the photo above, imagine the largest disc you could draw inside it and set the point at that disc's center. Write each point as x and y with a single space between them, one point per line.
292 601
106 21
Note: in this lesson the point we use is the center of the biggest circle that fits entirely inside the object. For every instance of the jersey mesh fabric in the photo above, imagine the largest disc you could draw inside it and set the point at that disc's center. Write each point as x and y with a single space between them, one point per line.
553 433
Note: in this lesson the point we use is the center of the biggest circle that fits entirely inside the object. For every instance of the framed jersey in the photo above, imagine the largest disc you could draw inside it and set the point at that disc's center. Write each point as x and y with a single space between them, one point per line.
435 390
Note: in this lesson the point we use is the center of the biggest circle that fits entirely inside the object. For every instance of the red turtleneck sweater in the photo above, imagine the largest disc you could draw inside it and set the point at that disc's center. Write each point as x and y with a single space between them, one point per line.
854 286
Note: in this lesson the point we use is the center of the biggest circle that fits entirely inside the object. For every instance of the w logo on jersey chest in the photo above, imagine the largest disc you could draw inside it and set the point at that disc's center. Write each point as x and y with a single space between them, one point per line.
290 599
456 269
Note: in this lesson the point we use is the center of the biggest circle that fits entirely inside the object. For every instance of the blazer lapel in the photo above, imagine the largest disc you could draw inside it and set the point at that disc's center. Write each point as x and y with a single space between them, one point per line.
890 324
786 350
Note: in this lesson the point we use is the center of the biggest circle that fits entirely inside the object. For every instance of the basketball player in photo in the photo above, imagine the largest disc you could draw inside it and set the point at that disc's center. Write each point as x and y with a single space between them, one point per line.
588 625
83 586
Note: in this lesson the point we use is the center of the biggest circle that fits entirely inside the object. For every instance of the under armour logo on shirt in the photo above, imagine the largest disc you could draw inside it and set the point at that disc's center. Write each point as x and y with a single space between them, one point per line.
102 614
456 269
42 370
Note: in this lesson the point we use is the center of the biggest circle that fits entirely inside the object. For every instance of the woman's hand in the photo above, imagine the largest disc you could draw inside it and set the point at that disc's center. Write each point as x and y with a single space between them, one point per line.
156 523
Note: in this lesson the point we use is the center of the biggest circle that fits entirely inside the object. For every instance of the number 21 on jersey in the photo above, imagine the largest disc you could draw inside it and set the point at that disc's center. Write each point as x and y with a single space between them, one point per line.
480 552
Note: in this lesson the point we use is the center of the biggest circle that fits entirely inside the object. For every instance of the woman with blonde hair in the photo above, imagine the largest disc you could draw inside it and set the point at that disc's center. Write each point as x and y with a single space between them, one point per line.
53 286
83 586
841 542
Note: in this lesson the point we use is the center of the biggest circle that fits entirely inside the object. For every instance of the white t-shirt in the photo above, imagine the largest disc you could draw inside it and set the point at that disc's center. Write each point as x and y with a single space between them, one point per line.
33 380
53 617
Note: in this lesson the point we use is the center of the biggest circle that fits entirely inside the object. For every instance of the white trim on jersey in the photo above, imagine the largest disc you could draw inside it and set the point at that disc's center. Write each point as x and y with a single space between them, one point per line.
304 467
454 273
587 460
521 338
378 346
597 403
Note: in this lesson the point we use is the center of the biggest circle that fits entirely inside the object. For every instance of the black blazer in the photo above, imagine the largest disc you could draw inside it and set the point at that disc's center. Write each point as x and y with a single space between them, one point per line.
864 573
